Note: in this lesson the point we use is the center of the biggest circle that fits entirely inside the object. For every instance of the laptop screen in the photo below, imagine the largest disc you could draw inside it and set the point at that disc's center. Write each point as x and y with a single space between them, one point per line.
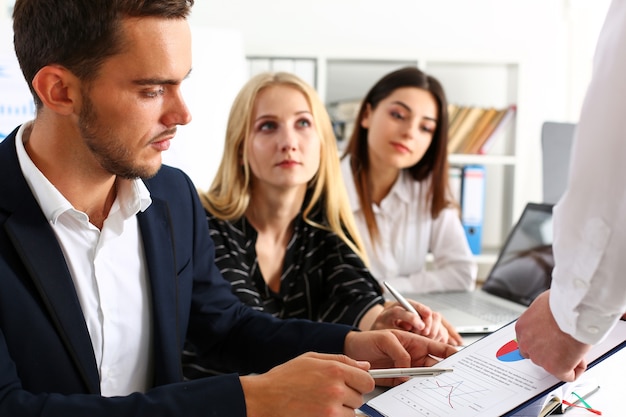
523 269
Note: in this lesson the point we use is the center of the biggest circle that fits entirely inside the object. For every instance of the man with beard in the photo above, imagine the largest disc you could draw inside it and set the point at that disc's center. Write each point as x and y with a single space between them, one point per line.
106 265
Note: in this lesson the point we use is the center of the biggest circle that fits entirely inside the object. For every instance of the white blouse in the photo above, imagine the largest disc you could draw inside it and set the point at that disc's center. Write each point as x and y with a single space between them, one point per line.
588 292
408 233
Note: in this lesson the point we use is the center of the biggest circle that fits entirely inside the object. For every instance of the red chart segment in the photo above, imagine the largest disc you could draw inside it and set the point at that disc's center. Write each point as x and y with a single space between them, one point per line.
509 352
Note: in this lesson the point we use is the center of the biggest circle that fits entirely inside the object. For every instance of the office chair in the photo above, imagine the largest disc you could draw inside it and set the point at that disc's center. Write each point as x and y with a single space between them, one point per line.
556 147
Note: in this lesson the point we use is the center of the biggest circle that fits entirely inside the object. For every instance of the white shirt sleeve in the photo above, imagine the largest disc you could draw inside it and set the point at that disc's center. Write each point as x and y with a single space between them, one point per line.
589 286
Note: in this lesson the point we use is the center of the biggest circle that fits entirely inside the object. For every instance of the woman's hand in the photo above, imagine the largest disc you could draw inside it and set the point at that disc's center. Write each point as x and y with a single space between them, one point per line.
395 349
428 323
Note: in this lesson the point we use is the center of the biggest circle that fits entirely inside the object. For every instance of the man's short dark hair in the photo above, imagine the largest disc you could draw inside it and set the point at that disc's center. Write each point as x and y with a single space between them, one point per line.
78 34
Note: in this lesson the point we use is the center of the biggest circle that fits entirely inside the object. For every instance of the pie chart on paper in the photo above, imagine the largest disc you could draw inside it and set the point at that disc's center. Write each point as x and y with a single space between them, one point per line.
509 352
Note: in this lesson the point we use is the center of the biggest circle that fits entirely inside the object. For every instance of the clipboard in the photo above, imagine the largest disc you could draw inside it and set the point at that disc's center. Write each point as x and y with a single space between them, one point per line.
490 378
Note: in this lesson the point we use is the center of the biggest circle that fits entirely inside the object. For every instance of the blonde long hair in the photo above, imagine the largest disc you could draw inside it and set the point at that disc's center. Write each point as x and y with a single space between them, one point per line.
229 194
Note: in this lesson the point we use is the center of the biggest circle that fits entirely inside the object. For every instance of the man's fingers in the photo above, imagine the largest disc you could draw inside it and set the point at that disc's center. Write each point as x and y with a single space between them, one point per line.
364 365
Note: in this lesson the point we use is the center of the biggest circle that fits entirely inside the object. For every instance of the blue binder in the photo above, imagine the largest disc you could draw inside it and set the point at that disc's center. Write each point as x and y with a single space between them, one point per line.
473 205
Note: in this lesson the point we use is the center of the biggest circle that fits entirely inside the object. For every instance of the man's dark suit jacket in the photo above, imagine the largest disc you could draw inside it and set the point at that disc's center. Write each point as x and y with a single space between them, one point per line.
47 365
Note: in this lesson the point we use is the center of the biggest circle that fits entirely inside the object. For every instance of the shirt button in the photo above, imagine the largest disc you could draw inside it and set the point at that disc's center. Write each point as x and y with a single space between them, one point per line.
593 329
579 283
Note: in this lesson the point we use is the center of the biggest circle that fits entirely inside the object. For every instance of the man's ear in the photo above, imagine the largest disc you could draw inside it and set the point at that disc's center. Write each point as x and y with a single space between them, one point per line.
57 88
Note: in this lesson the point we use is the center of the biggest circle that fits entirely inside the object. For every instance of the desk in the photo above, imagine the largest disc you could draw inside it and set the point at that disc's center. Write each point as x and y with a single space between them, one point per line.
610 399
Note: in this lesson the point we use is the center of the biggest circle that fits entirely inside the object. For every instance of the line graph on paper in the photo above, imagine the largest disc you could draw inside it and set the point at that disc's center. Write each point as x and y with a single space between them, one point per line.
449 395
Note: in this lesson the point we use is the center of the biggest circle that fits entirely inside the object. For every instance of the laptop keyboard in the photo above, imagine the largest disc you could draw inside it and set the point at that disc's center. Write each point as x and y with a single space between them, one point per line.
479 307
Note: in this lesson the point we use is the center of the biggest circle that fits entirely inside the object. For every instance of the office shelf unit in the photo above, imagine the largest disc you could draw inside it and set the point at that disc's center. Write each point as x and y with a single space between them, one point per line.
469 79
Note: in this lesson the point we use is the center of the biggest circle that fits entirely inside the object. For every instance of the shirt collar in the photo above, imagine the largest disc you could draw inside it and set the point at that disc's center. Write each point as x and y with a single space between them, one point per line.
133 195
401 189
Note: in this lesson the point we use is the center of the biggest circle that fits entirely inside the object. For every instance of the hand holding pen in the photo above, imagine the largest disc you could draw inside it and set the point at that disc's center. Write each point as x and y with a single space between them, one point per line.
414 321
422 320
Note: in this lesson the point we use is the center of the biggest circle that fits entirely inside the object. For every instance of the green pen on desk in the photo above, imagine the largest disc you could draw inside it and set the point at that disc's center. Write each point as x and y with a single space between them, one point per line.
581 399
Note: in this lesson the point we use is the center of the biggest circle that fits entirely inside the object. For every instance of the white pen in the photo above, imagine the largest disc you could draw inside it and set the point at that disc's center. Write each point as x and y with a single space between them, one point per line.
403 301
407 372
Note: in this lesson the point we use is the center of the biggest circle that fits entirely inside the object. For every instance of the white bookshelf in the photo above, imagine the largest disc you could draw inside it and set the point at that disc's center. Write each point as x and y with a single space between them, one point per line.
468 78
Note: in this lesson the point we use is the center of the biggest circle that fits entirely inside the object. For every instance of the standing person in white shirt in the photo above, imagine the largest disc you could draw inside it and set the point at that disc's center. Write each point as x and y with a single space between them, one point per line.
396 171
588 293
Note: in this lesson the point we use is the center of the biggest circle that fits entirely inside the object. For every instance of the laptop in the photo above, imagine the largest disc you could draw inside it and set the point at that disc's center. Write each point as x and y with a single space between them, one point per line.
521 272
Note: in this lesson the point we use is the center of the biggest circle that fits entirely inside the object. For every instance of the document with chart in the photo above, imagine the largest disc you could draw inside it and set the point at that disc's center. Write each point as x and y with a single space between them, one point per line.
490 378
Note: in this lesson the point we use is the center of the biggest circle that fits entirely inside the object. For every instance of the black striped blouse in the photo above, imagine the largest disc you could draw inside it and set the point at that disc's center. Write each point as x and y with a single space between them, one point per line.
322 278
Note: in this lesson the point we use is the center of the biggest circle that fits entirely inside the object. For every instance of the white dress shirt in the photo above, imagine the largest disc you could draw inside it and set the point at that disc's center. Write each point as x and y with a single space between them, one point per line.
408 233
109 274
589 286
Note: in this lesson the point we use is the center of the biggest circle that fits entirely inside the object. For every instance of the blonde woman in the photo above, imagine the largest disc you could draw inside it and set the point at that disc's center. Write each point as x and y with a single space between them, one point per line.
280 218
